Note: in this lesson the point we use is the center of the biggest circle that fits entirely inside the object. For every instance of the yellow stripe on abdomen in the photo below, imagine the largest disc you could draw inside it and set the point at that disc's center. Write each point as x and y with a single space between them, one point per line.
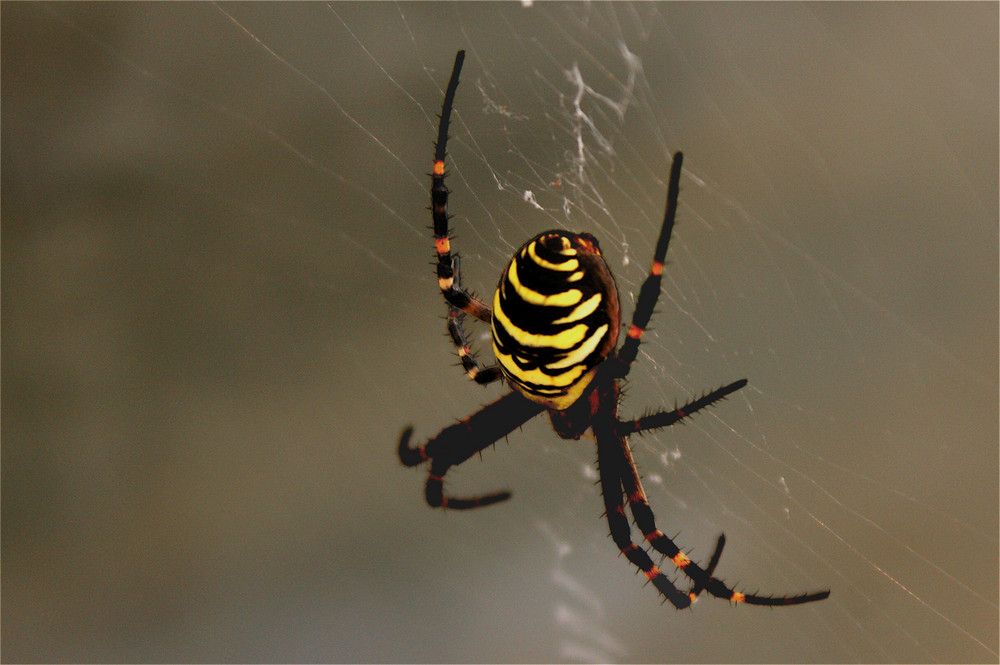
566 339
566 298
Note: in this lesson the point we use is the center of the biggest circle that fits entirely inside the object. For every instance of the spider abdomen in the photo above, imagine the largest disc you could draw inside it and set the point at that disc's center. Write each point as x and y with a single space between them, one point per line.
555 317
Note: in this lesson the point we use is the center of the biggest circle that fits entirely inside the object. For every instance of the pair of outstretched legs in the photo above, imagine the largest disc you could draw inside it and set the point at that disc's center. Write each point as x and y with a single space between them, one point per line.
620 483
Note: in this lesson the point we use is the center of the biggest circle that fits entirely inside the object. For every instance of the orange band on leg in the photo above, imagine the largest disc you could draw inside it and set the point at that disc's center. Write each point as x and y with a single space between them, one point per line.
443 245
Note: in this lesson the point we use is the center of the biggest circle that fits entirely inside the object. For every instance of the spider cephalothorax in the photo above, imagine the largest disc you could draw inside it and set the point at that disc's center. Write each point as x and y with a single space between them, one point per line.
555 319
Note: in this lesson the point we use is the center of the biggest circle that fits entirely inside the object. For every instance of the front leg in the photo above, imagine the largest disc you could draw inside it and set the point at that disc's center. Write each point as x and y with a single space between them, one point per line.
649 293
447 267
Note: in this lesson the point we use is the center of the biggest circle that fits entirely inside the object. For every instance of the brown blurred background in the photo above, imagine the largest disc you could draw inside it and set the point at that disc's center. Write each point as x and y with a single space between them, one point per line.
219 313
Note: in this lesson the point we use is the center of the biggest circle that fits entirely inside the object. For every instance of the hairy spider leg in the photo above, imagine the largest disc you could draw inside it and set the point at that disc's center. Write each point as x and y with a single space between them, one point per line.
667 418
457 443
703 579
698 587
475 371
450 288
611 471
649 293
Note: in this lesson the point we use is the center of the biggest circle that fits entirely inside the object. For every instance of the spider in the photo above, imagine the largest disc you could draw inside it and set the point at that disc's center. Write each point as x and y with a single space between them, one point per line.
555 319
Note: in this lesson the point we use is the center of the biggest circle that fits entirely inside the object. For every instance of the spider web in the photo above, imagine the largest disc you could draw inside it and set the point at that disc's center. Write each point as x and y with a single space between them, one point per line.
220 314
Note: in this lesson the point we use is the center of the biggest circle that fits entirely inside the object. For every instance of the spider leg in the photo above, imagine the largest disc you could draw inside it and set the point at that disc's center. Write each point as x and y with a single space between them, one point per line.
650 291
479 374
666 418
457 443
612 472
703 579
446 267
698 587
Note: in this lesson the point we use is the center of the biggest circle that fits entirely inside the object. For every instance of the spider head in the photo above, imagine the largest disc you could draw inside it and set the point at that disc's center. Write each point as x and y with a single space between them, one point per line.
587 243
568 244
555 317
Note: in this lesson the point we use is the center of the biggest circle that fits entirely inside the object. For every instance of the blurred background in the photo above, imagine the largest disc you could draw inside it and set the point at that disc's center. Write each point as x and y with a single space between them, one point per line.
219 313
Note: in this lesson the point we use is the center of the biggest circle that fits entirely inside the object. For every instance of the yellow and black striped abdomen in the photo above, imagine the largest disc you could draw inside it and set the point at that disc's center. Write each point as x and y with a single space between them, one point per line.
555 317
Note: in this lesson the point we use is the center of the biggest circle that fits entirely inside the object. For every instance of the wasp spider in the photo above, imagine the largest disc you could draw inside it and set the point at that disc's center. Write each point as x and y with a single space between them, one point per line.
555 318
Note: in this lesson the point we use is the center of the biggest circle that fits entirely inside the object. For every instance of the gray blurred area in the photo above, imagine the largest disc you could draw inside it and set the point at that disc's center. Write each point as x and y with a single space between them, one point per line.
218 314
